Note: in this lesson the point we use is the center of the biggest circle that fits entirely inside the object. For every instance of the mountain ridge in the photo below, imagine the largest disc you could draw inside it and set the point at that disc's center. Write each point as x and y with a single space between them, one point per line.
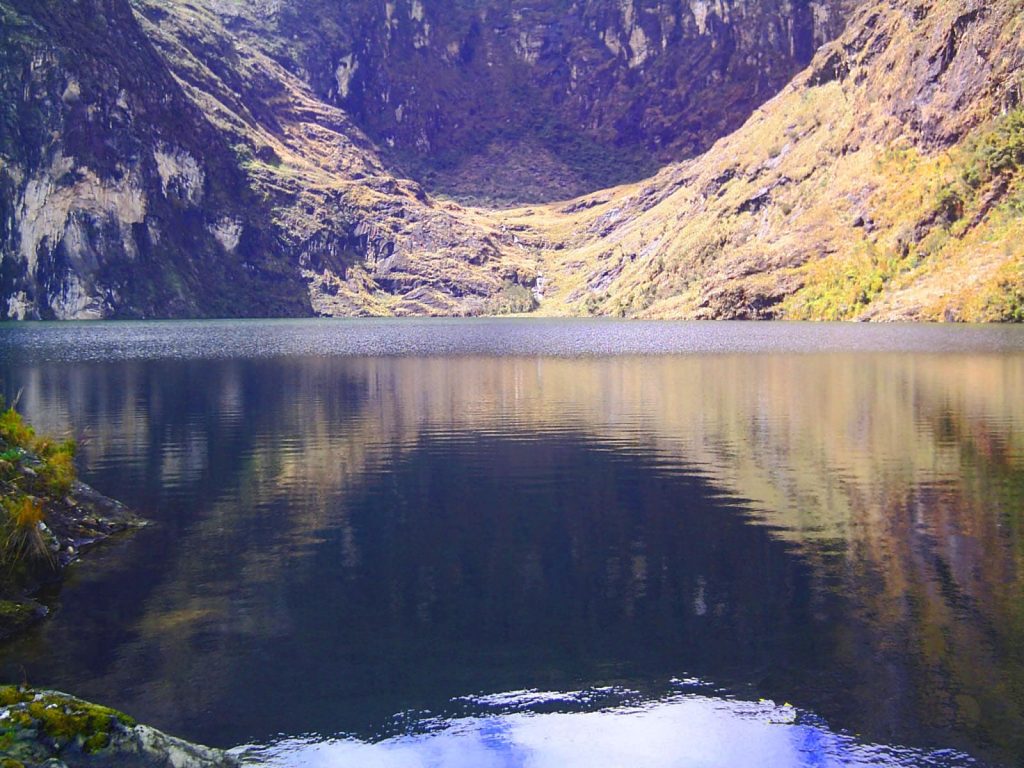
177 159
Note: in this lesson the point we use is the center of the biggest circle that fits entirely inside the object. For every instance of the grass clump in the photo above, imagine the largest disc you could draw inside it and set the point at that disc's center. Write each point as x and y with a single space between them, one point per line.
23 540
33 471
13 429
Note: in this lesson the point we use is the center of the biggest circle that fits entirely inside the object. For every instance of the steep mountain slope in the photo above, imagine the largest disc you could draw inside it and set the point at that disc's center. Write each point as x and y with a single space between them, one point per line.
883 183
364 241
551 98
213 157
163 170
116 196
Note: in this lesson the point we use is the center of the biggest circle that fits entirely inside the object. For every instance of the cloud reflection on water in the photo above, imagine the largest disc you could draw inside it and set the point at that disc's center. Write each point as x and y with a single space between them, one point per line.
689 731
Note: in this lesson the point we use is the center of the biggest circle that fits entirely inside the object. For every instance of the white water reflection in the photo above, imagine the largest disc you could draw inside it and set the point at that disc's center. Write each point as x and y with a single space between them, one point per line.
688 731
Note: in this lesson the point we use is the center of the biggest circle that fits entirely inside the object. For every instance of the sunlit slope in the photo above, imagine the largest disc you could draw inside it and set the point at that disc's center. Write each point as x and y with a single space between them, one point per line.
883 183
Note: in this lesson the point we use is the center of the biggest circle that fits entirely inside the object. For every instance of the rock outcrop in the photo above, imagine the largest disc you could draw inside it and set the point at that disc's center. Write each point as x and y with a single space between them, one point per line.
55 730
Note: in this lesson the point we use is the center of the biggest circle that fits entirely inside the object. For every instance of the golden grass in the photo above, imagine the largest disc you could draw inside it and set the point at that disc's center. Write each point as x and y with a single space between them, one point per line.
33 471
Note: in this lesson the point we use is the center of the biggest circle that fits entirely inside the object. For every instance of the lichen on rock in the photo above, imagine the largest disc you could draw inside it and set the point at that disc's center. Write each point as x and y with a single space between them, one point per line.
38 727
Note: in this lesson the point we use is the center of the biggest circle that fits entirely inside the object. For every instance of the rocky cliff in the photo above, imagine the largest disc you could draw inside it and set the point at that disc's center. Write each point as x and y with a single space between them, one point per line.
208 157
153 164
117 196
545 100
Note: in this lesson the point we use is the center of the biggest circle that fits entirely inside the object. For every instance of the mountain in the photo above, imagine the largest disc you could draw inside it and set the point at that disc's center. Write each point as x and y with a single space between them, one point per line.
526 102
819 158
883 183
159 166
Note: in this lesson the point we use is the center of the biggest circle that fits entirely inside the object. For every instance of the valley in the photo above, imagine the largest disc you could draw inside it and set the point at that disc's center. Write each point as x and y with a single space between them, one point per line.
836 159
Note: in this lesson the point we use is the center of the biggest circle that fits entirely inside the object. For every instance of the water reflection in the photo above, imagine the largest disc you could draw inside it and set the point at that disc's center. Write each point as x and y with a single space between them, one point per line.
344 538
679 730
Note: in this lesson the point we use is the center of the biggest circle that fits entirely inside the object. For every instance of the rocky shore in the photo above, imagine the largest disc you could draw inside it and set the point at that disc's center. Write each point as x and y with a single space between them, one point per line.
48 517
80 520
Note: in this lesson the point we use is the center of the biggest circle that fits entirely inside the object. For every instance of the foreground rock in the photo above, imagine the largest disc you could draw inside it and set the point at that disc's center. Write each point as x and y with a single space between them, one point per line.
54 729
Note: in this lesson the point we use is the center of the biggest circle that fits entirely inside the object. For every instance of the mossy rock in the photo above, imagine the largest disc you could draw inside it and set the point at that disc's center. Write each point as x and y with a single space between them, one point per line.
38 727
61 722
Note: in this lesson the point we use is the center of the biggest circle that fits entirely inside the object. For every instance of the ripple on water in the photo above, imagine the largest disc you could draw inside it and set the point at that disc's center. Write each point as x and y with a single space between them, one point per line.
79 342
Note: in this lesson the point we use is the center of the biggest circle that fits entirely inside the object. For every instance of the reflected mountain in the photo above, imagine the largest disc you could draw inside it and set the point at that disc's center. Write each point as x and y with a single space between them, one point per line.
342 539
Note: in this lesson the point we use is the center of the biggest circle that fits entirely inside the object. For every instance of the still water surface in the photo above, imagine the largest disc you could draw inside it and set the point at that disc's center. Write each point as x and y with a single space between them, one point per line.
545 543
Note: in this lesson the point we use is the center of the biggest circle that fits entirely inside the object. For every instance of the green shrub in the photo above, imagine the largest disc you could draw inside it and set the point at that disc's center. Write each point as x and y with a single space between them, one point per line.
997 151
57 471
949 205
14 431
1008 303
512 299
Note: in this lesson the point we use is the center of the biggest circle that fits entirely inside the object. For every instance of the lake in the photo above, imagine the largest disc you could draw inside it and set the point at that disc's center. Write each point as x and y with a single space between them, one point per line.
544 542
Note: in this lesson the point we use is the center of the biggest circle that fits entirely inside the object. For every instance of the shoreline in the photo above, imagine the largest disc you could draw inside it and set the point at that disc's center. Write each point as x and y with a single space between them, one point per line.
49 518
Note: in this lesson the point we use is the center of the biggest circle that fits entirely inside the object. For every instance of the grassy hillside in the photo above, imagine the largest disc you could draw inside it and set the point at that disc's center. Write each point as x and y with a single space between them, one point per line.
883 183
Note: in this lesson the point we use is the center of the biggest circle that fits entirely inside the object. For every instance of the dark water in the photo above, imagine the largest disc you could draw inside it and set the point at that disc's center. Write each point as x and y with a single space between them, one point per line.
484 543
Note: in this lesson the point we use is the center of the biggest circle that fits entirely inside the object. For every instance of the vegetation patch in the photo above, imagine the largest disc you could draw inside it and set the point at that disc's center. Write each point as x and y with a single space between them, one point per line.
1006 304
33 471
512 299
995 152
63 719
963 213
46 516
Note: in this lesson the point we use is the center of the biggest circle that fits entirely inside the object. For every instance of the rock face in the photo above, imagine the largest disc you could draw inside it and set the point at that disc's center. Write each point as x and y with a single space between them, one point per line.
117 197
607 88
154 165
